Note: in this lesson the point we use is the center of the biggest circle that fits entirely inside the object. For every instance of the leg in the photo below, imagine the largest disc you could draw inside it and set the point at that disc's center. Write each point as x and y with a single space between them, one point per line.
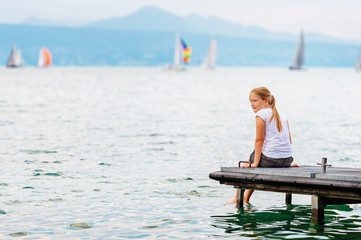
234 200
237 192
247 195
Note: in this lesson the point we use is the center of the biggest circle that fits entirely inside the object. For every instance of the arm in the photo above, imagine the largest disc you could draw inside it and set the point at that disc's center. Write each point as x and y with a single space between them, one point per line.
289 132
258 145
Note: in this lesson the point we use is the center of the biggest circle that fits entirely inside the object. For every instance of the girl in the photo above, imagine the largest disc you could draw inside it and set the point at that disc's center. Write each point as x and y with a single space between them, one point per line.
272 146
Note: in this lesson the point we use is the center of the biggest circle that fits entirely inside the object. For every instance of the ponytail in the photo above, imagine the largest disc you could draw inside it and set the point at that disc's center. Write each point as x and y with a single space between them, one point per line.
275 114
264 93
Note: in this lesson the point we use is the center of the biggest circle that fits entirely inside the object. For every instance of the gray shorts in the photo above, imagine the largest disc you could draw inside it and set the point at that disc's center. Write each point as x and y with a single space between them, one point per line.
268 162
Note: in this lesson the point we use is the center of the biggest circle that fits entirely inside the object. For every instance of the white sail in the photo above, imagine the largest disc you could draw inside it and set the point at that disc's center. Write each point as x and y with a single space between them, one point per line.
358 64
297 61
45 57
177 51
210 60
11 60
19 59
41 59
177 56
15 59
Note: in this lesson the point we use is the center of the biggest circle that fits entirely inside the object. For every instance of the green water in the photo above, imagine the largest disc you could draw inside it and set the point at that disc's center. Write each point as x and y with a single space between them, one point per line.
290 222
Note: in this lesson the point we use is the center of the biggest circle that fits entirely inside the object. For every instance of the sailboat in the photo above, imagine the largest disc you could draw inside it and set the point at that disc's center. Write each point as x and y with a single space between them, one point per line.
180 44
210 60
45 58
297 61
15 58
358 64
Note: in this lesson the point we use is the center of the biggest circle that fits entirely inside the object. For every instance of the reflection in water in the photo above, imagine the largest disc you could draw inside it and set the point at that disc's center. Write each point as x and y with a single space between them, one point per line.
292 221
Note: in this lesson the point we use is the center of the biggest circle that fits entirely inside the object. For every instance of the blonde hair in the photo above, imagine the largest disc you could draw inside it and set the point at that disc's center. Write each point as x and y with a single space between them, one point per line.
264 93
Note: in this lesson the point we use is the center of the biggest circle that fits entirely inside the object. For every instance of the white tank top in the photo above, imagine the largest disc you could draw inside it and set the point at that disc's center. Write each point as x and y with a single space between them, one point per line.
276 144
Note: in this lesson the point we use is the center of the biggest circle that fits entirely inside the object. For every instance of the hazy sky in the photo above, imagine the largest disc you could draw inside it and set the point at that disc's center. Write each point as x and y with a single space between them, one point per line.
339 18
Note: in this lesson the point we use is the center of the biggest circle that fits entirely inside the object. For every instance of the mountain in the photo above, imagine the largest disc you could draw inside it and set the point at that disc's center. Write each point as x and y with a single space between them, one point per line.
90 46
146 38
155 19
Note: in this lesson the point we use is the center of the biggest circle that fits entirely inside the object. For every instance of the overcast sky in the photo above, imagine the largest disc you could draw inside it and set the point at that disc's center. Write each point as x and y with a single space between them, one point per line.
338 18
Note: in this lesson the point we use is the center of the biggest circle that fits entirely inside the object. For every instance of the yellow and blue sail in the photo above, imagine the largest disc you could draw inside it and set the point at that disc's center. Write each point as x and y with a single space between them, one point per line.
187 51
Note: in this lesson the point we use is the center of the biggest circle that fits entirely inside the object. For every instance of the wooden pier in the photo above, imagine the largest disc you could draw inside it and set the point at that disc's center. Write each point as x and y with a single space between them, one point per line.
334 186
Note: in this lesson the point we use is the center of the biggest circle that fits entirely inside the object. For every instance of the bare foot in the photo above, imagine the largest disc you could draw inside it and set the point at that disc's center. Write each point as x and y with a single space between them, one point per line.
234 201
294 165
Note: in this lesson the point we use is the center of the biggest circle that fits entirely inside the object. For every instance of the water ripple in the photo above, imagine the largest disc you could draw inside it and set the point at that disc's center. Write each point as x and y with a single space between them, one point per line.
114 153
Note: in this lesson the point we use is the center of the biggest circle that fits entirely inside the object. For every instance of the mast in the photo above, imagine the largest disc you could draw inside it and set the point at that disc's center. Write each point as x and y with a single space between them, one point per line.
177 50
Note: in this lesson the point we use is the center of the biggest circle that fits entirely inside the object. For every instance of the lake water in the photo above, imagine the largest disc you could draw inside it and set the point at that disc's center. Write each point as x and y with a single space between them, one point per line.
124 153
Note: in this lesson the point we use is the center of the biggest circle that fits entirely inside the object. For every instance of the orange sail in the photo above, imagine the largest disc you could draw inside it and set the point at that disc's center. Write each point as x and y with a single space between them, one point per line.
187 51
45 57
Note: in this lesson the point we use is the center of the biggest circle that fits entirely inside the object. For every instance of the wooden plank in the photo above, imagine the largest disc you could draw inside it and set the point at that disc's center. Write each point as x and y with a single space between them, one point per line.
305 172
285 180
340 177
297 190
298 185
343 174
327 186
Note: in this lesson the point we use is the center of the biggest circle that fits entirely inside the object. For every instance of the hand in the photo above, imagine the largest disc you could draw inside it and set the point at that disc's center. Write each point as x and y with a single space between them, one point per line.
245 165
253 165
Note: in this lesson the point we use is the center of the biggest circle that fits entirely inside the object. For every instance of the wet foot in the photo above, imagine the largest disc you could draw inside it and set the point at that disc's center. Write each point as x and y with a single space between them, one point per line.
234 201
